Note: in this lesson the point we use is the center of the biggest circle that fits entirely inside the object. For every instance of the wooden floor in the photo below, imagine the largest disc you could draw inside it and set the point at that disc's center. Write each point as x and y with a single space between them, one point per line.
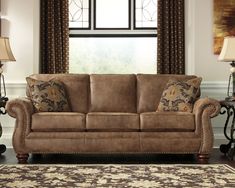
216 158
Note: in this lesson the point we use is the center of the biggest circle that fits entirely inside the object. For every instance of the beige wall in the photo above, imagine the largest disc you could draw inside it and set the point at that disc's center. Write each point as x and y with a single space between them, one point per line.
199 42
21 24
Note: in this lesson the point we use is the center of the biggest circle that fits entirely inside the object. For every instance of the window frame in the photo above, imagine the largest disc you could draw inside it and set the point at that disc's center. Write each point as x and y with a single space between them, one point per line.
89 22
134 22
112 28
132 31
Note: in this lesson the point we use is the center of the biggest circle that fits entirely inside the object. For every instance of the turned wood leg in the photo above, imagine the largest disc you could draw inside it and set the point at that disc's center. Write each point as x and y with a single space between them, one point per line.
203 158
22 158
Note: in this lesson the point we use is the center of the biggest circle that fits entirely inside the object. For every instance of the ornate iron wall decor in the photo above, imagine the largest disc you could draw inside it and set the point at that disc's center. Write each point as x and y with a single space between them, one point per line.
145 13
79 15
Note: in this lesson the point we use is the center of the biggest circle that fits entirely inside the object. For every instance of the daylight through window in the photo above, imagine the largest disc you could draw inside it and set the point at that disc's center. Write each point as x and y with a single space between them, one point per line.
113 36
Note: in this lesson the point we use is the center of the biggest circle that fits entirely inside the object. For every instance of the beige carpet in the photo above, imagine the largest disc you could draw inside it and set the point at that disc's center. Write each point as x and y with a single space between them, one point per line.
141 176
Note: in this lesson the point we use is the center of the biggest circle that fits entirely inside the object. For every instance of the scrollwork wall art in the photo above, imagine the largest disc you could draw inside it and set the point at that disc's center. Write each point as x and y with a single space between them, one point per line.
224 22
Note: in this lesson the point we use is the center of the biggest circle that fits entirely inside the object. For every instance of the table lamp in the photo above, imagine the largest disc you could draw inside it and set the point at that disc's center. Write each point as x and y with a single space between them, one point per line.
228 55
5 55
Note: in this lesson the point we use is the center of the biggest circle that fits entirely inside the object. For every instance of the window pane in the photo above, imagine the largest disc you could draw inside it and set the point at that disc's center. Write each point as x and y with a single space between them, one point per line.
112 13
146 13
78 13
113 55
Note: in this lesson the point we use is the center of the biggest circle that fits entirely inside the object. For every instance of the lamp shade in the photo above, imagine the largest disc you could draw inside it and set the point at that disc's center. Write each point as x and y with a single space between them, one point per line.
228 50
5 50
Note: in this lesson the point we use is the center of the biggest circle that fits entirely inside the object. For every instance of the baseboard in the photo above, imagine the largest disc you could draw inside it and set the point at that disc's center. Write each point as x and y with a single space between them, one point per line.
6 139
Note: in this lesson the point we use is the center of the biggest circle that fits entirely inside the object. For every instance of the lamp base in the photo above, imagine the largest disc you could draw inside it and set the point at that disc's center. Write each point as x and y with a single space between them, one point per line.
231 79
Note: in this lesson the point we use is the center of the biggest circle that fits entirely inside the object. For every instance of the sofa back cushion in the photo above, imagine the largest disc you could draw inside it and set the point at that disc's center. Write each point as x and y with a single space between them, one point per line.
150 88
113 93
76 86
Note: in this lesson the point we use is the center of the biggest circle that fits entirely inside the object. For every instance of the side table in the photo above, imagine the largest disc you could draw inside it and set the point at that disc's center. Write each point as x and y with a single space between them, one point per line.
228 107
3 101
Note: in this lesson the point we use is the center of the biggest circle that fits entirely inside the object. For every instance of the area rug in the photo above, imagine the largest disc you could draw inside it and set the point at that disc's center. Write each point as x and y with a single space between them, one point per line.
141 176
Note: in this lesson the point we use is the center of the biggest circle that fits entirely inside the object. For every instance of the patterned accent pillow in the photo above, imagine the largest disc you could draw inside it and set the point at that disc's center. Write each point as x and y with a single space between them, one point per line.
179 95
48 96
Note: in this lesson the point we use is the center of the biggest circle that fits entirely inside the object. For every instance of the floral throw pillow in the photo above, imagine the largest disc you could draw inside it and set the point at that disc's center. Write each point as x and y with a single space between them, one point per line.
48 96
179 95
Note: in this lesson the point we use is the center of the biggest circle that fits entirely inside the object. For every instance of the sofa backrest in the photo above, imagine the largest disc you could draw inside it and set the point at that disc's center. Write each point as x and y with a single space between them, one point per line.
76 85
113 93
150 88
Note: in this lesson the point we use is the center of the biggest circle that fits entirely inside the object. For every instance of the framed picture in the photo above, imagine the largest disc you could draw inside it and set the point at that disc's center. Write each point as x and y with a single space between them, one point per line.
224 22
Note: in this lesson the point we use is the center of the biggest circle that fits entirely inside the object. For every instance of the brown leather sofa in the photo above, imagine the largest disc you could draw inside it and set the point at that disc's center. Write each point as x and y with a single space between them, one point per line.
113 114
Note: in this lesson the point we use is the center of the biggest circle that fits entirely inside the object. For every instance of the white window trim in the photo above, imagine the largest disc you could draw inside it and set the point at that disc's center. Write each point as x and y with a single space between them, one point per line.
113 32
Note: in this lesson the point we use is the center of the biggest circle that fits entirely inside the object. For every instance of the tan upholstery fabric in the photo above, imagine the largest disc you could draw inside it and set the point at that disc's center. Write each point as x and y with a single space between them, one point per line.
150 88
174 142
113 93
58 122
205 109
112 142
167 121
92 142
21 109
100 121
56 142
76 86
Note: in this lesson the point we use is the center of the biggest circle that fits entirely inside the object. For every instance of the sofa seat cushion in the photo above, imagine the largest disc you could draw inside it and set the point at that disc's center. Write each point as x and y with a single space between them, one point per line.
167 121
58 122
105 121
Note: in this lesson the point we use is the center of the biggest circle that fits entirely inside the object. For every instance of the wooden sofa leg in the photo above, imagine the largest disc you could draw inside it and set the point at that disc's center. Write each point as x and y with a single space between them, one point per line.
22 158
203 158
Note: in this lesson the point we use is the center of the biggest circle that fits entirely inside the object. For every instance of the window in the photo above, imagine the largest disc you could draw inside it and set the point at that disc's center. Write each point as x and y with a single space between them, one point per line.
145 13
112 14
79 15
113 36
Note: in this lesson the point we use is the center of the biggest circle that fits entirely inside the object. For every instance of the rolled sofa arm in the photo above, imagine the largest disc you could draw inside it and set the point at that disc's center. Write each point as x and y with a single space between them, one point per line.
205 109
21 109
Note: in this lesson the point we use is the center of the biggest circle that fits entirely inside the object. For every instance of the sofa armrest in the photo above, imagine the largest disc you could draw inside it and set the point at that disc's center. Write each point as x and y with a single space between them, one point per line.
21 109
211 106
205 109
16 107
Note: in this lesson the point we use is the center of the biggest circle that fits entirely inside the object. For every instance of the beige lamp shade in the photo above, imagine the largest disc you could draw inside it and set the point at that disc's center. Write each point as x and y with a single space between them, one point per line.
5 50
228 50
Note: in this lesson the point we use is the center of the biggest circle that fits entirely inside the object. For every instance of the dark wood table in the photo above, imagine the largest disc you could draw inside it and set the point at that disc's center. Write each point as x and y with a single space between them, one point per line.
228 107
3 101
